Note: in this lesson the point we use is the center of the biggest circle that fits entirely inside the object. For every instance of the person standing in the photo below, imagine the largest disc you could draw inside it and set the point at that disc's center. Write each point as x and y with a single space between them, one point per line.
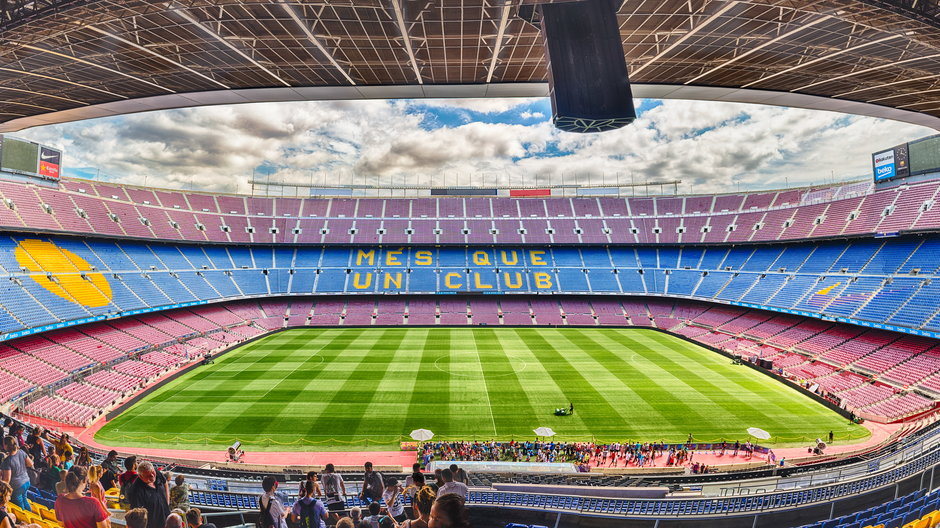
270 505
394 502
372 485
449 487
95 489
74 509
150 492
308 511
13 471
179 494
311 477
335 490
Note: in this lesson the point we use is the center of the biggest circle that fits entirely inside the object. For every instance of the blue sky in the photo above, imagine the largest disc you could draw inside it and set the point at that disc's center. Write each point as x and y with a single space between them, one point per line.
709 146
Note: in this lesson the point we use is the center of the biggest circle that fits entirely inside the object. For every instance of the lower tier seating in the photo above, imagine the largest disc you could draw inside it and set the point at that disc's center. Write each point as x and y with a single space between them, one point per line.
877 374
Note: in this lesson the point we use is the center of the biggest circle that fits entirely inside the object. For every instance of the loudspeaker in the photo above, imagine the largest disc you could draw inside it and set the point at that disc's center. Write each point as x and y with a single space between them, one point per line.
588 80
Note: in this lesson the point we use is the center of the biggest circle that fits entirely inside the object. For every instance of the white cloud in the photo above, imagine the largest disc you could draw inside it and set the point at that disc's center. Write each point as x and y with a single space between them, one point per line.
712 147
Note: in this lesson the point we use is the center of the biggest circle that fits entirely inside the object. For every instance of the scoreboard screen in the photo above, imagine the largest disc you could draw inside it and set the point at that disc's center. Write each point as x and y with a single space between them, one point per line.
925 155
20 157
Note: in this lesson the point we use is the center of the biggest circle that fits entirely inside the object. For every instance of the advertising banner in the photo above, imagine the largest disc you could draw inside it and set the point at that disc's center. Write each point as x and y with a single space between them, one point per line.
884 165
50 161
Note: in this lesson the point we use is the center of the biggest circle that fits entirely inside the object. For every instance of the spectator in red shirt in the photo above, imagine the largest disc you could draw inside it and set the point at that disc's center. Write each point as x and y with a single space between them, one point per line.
74 509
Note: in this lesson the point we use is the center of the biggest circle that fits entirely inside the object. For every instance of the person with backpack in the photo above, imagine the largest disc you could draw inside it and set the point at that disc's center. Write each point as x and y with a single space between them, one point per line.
272 512
308 511
335 490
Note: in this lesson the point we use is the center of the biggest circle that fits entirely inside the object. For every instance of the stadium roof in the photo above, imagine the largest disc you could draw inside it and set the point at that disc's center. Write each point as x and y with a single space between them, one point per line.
68 60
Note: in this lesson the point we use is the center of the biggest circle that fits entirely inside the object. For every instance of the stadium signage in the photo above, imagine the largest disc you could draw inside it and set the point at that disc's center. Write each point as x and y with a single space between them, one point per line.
884 165
451 279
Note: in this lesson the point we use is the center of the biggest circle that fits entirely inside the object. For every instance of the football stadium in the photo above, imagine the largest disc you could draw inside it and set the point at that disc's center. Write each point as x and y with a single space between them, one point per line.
491 354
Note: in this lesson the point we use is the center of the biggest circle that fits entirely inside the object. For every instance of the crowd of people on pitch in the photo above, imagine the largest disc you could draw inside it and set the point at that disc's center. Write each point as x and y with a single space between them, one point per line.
436 504
583 454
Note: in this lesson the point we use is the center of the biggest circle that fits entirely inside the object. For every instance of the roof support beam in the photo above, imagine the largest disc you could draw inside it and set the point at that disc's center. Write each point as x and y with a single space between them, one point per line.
155 54
823 58
755 49
314 40
94 65
49 77
215 36
685 37
406 39
866 70
500 35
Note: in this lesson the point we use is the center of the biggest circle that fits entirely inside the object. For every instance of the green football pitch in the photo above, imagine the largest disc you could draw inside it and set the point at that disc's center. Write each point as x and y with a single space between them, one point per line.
355 388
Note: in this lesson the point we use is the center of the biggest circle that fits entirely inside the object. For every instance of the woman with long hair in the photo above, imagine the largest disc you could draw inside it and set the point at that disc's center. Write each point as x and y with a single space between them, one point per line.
74 509
94 484
421 508
13 471
7 520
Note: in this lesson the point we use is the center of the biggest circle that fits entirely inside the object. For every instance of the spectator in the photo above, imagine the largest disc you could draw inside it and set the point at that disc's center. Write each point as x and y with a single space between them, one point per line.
345 522
50 475
111 464
136 518
374 515
415 468
417 482
7 520
355 514
335 490
450 486
449 511
37 449
13 471
271 506
63 447
127 478
372 485
150 492
311 477
308 511
83 458
438 480
174 520
95 489
67 460
421 506
179 494
194 519
461 476
394 503
77 511
108 479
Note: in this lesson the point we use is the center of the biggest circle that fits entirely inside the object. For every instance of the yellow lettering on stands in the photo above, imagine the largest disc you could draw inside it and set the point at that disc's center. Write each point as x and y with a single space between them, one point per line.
481 258
535 258
390 280
423 258
391 257
449 284
509 283
543 281
507 262
478 284
361 254
362 286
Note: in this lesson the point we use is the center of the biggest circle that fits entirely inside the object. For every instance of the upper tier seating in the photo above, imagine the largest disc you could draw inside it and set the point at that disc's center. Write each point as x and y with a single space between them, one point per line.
846 209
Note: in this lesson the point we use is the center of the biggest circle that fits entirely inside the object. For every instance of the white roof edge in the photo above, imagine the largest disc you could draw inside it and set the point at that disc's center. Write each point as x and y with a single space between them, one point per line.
428 91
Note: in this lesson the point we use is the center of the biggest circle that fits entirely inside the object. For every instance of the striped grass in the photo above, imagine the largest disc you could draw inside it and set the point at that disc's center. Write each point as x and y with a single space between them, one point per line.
367 388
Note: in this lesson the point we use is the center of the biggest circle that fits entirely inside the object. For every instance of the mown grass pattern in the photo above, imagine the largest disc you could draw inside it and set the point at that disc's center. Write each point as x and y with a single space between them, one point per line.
354 388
